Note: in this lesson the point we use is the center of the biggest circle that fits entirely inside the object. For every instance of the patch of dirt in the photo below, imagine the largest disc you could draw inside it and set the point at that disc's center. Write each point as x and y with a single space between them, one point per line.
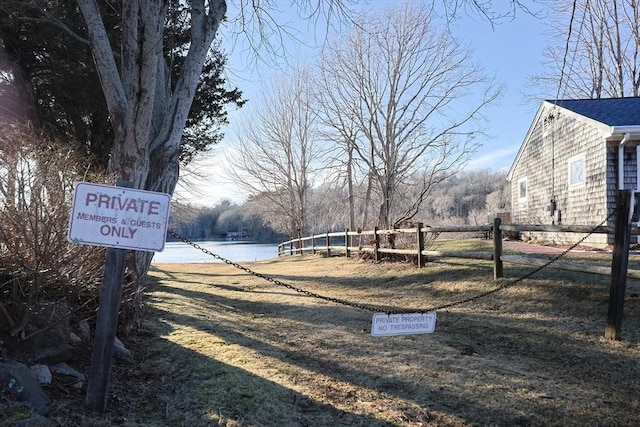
553 249
220 347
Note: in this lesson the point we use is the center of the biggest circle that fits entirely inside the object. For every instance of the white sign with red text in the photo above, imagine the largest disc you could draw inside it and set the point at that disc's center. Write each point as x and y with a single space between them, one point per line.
119 217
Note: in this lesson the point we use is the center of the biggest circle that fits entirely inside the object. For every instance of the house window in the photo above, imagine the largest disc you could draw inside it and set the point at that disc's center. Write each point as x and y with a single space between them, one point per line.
522 189
576 167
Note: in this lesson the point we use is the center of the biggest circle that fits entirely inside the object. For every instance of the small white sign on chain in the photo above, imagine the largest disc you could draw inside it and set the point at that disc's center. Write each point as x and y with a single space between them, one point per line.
386 324
118 217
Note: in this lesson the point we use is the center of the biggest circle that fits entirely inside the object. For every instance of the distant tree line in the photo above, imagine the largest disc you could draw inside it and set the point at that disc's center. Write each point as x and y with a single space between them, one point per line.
469 197
221 222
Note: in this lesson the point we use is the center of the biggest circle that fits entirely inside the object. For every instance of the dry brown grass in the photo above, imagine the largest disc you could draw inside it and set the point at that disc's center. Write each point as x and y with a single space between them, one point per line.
224 348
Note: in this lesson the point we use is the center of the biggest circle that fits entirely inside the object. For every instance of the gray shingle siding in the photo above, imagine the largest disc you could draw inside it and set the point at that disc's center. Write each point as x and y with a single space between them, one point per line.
587 132
545 164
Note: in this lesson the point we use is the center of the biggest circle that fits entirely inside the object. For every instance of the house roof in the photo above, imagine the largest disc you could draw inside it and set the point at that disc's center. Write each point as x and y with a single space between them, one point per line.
614 116
609 111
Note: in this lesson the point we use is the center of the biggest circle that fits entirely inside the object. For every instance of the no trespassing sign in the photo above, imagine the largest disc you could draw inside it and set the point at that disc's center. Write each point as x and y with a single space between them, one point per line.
386 324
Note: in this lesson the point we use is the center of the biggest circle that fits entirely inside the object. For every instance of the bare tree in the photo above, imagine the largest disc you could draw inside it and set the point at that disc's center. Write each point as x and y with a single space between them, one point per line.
487 9
403 84
595 50
147 110
276 156
338 127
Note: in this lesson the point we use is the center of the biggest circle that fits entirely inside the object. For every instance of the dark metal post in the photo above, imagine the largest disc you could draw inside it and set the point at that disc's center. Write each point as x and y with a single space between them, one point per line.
346 243
328 245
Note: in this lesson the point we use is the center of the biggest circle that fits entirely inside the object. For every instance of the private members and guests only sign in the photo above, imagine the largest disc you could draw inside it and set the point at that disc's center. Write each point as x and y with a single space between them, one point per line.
119 217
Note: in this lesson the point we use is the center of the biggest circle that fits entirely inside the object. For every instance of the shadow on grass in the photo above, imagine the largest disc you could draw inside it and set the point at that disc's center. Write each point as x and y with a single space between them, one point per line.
258 401
452 271
539 347
197 390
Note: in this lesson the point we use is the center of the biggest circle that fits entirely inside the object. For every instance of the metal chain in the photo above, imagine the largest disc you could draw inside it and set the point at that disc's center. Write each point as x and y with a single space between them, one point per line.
526 276
271 279
378 310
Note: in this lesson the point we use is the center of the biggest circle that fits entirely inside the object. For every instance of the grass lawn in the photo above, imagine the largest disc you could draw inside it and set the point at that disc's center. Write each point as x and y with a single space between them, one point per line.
223 348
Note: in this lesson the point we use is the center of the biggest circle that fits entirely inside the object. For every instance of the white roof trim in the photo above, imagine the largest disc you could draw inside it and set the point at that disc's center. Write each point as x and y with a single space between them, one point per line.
621 130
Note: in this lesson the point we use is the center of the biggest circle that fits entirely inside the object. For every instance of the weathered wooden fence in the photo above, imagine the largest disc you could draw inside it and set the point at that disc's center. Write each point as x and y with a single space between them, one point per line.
371 242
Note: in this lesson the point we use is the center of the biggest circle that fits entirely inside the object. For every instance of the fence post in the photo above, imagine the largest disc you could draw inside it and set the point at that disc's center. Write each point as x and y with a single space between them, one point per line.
291 247
619 265
376 238
497 249
313 244
106 325
420 238
328 245
346 243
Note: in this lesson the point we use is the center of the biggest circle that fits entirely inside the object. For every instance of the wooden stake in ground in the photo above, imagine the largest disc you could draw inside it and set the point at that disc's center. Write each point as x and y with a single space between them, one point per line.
619 265
107 323
128 214
104 342
498 271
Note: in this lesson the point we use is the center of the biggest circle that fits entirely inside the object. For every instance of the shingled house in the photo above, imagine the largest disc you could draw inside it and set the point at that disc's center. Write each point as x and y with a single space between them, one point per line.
575 156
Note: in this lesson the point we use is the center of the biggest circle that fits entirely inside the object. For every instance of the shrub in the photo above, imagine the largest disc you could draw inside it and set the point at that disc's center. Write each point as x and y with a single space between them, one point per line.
37 263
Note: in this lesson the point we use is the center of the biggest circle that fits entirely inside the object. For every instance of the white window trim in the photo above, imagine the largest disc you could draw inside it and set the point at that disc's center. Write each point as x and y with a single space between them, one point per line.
579 157
526 186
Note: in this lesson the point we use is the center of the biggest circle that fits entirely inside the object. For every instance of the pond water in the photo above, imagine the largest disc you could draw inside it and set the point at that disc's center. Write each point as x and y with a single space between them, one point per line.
236 251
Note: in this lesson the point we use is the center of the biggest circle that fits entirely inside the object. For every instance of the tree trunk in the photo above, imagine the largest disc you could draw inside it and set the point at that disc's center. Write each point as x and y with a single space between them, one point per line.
147 116
352 209
367 202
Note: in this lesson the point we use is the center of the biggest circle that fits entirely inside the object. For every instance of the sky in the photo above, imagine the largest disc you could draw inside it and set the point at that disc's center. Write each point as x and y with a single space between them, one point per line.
512 51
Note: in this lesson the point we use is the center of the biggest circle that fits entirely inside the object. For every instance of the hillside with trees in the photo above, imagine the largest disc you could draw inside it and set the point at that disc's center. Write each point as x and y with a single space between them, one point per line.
469 197
221 221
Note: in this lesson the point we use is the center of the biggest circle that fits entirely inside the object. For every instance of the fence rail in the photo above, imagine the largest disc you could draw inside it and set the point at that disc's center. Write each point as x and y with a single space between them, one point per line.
370 242
618 272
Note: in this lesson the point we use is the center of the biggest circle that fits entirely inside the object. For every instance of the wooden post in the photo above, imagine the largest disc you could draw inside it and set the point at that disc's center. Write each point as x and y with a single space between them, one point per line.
376 238
106 326
420 238
328 245
497 249
313 244
619 265
346 243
